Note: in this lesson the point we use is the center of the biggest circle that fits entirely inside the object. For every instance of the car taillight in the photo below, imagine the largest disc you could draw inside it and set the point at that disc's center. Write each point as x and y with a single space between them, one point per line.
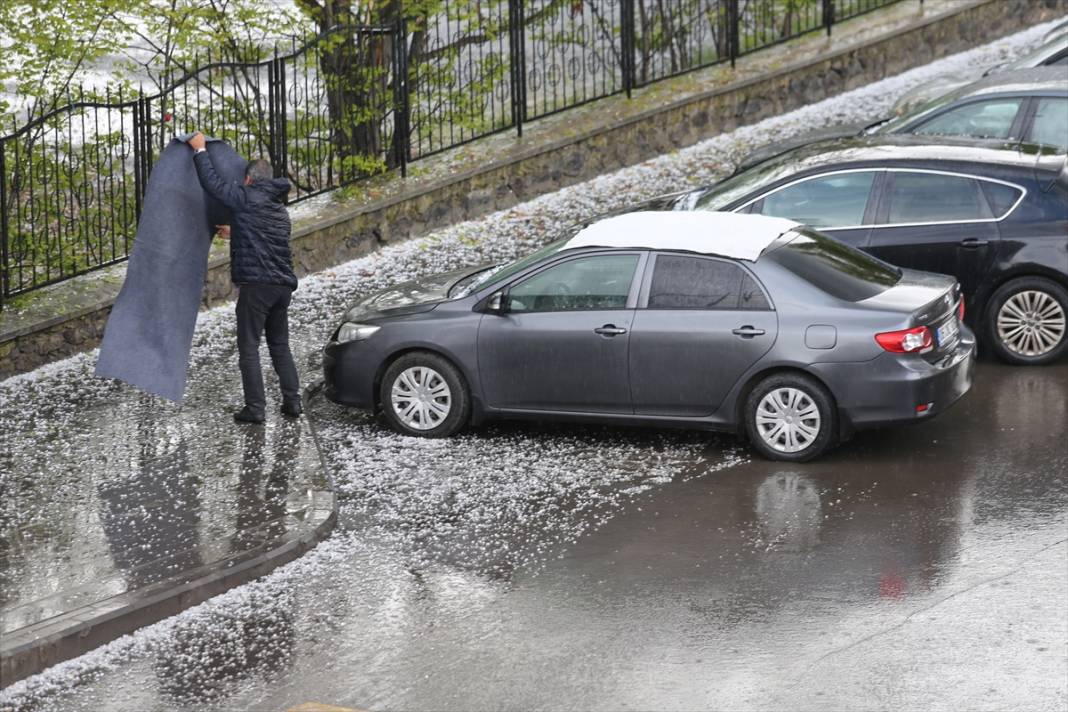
906 341
960 308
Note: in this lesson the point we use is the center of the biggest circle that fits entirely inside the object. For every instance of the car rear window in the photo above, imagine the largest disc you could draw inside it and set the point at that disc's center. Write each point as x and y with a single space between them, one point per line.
681 282
834 267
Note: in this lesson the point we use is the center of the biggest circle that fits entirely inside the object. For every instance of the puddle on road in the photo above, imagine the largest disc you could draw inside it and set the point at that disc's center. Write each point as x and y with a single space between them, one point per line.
446 526
109 490
473 570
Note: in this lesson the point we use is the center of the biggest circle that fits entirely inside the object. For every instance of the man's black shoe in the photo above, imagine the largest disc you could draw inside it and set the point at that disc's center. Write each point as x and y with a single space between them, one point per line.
293 409
246 415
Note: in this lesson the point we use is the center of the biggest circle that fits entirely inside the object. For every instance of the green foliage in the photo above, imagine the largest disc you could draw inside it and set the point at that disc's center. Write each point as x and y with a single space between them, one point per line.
69 208
170 38
69 179
46 46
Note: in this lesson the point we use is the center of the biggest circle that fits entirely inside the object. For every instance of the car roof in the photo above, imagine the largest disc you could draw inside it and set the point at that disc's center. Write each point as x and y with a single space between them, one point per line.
884 148
734 235
1036 81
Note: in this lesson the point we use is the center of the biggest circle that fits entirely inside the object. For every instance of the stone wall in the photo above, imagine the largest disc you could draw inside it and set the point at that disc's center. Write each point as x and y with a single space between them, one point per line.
550 165
52 343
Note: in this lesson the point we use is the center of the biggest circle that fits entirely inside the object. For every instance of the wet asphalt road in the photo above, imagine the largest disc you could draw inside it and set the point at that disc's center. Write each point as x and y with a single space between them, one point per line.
522 566
914 568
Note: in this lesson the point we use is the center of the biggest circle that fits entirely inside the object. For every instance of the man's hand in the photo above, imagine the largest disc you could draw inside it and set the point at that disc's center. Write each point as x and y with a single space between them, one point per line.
196 142
223 232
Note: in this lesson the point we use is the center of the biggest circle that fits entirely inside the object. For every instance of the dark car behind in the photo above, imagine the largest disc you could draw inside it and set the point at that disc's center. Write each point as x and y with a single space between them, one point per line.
992 214
1029 106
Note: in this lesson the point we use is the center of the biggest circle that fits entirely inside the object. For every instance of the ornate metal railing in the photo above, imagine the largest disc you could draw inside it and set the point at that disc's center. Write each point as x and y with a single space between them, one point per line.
356 101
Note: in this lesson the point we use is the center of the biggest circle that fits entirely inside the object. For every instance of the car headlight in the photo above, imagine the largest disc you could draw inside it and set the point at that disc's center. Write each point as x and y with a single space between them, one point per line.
355 332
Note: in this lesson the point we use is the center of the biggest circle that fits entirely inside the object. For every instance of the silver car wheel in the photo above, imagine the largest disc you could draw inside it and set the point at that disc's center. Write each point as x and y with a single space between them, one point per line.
788 420
1031 323
421 398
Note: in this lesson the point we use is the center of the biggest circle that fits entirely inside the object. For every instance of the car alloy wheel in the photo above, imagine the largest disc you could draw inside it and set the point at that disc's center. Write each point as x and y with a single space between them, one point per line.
421 398
1031 323
788 420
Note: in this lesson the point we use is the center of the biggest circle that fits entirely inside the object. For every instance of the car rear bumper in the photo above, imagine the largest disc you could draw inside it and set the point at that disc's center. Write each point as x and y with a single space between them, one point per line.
349 374
897 388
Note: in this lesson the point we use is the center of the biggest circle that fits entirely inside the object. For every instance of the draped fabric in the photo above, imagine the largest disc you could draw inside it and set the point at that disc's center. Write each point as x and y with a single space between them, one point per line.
149 332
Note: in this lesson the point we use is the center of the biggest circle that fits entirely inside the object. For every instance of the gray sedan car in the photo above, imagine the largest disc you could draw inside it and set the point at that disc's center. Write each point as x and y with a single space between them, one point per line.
718 321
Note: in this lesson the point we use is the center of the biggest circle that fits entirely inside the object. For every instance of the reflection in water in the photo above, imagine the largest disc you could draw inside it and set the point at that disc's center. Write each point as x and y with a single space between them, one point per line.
788 507
262 490
151 519
1031 406
208 653
206 656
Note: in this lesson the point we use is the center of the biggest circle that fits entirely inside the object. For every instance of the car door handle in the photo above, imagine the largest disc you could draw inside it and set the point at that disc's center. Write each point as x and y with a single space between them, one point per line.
609 330
747 332
972 243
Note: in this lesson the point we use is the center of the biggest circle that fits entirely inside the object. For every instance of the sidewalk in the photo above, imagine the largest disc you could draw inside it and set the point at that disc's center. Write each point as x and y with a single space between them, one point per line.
120 509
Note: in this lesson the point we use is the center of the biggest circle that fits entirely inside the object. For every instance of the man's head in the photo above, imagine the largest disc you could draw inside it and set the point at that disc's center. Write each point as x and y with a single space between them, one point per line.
258 169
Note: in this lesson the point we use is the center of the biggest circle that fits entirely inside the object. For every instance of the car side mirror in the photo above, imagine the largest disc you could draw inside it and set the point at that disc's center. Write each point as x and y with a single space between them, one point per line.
497 303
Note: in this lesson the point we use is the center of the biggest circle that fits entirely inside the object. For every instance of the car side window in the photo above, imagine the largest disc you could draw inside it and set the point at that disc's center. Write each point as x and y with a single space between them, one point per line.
586 283
836 200
981 119
681 282
1050 125
934 197
1000 197
1060 60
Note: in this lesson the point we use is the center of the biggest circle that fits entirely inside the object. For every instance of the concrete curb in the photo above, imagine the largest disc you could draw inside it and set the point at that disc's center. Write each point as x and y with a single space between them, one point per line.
29 650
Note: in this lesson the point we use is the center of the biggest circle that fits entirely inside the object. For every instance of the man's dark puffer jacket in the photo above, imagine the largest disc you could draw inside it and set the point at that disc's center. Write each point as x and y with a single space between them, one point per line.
259 226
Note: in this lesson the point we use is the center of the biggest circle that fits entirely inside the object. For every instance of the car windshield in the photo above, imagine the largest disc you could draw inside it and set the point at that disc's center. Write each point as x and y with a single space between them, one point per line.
725 193
834 267
909 114
1037 57
498 273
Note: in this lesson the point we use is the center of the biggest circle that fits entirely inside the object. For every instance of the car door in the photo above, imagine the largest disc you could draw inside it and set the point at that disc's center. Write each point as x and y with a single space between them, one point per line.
838 203
560 343
938 222
701 323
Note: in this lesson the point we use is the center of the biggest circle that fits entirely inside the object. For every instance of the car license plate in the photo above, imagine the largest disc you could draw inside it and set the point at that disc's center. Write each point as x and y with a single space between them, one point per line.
948 332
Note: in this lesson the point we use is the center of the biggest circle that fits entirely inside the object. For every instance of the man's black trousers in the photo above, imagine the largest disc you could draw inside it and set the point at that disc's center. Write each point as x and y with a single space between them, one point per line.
265 308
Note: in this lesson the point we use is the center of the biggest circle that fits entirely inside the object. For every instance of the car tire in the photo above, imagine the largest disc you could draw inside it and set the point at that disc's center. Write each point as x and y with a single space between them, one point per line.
791 417
1022 318
425 395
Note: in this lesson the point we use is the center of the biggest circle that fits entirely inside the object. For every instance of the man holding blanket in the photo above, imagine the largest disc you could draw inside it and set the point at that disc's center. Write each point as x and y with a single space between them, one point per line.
261 267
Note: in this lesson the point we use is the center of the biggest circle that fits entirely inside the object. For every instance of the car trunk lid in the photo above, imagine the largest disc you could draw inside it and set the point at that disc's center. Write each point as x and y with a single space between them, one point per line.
929 300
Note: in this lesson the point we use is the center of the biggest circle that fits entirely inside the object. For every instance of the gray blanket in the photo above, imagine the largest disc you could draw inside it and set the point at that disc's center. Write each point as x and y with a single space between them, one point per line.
150 329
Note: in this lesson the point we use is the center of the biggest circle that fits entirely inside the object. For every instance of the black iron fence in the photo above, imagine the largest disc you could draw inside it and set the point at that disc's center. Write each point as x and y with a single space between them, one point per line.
357 101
